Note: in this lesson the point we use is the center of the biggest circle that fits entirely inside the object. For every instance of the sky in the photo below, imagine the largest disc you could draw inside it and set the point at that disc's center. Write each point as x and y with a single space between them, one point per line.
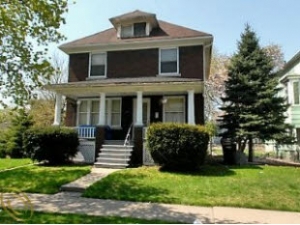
274 21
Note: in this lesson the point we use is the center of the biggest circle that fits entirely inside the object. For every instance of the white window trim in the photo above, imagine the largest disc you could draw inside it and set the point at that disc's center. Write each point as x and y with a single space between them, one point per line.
90 65
184 108
131 30
295 81
89 101
159 63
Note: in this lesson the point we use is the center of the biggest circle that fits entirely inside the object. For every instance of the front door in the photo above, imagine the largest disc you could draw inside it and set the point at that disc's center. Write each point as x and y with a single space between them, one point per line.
146 111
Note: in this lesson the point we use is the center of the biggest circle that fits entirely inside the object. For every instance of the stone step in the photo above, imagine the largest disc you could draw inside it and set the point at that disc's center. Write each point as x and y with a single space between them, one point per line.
112 160
117 146
111 165
115 155
117 142
116 151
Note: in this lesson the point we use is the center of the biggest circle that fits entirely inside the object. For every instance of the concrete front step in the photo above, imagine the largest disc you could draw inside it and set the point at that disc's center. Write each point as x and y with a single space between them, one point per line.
118 142
111 165
115 155
114 160
117 146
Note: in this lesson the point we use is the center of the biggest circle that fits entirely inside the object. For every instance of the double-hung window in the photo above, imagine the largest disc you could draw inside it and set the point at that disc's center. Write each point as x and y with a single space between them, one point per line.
296 92
98 65
139 29
174 110
168 61
89 112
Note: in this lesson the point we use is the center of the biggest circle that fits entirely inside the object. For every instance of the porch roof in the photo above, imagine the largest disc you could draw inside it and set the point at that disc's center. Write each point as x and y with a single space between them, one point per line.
126 86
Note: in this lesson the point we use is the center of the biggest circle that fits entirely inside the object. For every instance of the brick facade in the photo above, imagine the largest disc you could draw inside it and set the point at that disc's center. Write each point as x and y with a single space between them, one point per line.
191 62
78 67
71 108
138 63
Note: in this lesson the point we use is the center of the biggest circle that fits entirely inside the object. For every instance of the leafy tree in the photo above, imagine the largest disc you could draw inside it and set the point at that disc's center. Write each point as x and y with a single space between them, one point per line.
23 25
253 108
14 144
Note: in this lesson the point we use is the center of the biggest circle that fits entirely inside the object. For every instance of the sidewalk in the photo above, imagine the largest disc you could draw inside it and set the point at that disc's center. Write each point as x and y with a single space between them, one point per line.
64 203
84 182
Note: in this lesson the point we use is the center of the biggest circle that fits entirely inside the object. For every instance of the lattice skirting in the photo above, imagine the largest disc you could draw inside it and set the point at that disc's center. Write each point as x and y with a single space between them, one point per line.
86 152
147 159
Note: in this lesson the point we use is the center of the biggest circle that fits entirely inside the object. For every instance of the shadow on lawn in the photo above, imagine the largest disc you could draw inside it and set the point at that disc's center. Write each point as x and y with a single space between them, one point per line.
127 187
217 170
214 171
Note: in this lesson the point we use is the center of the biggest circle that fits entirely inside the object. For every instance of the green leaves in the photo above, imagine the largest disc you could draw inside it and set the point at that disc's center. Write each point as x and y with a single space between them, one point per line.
252 106
24 24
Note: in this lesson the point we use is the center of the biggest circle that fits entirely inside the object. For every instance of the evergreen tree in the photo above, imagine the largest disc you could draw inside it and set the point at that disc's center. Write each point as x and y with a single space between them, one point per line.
253 108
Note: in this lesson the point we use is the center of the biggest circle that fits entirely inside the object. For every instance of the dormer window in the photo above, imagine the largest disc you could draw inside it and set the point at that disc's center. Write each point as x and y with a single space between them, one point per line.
139 29
133 30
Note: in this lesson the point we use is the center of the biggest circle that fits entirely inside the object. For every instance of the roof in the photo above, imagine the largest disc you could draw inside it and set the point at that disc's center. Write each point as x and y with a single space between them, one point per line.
136 15
165 31
131 80
291 63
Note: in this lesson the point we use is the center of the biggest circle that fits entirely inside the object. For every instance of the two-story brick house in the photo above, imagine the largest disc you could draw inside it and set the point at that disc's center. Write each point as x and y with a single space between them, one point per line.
141 71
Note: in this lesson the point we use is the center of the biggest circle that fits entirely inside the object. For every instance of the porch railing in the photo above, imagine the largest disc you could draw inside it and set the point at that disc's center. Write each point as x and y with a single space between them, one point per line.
86 132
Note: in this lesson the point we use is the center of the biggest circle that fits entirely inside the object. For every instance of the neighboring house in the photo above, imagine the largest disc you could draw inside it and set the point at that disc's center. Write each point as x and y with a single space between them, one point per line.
141 71
290 82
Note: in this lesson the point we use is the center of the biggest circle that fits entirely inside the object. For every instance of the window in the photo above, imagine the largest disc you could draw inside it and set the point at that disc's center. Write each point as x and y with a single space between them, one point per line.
98 65
126 31
89 112
169 61
139 29
133 30
296 92
174 110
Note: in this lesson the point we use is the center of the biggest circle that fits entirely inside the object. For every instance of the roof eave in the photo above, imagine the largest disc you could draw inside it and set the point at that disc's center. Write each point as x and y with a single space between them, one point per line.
138 44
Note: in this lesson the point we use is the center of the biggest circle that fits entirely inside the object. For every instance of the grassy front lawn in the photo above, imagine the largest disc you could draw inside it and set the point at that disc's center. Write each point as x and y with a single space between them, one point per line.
10 163
264 187
55 218
40 179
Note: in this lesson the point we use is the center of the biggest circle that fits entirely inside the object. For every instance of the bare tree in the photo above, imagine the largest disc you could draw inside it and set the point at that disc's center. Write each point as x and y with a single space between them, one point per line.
274 51
214 86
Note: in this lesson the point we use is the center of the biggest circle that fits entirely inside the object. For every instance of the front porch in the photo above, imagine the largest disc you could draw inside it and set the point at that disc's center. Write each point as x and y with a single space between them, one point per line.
122 111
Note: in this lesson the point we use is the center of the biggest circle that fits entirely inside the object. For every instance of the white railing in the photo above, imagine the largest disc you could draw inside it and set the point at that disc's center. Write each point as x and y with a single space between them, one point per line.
86 132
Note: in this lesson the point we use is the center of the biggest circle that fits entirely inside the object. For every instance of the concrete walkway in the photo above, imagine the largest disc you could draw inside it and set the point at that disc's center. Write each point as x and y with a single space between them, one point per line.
84 182
64 203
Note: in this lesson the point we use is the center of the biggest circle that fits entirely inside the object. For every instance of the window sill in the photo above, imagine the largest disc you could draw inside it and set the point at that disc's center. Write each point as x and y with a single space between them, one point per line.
96 77
169 75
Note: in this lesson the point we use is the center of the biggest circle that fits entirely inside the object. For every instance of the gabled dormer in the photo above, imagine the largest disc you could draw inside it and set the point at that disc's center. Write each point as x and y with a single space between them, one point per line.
134 24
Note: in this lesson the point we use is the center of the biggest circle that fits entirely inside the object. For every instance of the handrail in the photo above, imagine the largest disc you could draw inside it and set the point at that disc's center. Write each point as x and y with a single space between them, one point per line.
126 141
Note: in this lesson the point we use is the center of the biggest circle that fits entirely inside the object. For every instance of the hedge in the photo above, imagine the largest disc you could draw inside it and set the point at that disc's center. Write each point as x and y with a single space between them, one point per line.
56 145
177 146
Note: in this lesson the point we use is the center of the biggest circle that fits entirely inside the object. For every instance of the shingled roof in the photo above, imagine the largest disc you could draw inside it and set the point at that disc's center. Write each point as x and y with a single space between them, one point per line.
164 31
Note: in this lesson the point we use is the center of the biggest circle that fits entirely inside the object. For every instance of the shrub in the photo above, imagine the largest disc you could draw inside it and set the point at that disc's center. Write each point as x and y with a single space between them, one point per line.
177 146
12 140
53 144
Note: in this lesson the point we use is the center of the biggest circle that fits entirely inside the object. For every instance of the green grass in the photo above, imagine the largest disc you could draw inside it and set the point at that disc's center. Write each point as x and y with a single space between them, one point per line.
263 187
40 179
10 163
56 218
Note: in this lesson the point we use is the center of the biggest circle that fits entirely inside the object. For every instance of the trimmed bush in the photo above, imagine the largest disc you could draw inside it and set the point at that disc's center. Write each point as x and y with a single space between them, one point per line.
56 145
175 146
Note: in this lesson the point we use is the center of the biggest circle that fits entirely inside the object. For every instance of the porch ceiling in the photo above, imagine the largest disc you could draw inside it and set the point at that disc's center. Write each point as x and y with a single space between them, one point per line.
127 86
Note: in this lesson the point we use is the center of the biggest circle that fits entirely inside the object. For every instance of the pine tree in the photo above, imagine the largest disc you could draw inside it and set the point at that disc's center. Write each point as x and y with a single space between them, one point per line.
253 108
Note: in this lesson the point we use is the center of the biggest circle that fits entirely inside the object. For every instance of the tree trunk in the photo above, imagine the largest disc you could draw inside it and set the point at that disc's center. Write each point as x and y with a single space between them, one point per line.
250 156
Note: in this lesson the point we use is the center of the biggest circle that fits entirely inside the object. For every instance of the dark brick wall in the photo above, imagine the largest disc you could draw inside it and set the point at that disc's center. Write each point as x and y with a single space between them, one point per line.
191 62
199 109
71 108
78 67
138 63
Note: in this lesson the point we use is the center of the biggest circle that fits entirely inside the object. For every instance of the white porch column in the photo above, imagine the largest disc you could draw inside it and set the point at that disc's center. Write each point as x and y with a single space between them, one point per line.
102 110
139 109
191 107
77 112
57 115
